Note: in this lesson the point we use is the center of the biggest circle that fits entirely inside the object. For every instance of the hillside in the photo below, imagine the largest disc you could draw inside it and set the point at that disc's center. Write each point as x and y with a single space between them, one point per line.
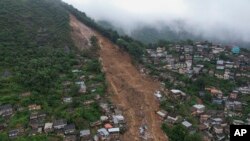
128 86
35 44
40 69
50 75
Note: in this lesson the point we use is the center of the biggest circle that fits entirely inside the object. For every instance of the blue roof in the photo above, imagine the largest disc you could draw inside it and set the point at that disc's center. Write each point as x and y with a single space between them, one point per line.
236 50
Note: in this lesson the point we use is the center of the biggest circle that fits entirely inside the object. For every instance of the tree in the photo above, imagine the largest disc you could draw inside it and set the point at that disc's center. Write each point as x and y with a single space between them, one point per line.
178 133
200 83
135 50
207 97
193 137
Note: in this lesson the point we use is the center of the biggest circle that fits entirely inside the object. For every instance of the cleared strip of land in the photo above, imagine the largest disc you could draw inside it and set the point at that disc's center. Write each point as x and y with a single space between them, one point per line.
131 91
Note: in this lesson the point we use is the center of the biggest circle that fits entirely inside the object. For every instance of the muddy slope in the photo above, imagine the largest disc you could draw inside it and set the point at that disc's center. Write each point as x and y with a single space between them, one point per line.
131 91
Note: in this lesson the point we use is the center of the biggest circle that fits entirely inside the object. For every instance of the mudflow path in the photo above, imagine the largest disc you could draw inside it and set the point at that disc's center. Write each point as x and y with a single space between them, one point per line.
131 91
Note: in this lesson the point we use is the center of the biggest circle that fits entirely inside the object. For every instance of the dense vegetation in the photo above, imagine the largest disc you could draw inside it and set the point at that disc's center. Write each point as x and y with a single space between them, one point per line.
37 55
180 133
135 48
35 44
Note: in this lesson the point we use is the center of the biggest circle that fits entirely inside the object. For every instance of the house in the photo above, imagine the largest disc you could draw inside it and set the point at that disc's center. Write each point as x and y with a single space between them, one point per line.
104 107
172 119
204 117
226 76
238 122
104 118
36 131
13 133
232 113
215 92
220 65
76 71
178 94
197 69
34 107
67 99
158 95
198 57
70 138
108 126
41 115
6 110
201 48
217 101
229 65
219 75
244 90
114 133
220 137
216 121
85 135
33 115
162 113
235 105
199 108
217 129
69 129
48 127
178 47
188 49
113 130
59 124
2 127
88 102
207 136
202 93
203 127
97 97
20 108
83 87
189 64
233 96
235 50
103 133
160 49
216 50
211 72
186 124
238 106
118 119
66 84
36 115
36 123
248 121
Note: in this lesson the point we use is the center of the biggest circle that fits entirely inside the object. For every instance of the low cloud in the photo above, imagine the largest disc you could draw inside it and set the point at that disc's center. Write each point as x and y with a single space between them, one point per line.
212 19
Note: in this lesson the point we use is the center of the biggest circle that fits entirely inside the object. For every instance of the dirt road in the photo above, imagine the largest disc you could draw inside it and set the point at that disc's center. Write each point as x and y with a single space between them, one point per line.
131 91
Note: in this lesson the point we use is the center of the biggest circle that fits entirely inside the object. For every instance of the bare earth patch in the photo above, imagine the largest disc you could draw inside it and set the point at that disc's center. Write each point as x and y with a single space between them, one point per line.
132 92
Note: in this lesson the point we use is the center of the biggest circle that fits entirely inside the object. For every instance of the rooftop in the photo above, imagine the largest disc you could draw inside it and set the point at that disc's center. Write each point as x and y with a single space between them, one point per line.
186 124
84 132
199 106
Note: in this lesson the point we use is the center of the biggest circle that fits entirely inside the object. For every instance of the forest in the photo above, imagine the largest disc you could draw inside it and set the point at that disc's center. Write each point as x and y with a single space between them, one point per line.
37 58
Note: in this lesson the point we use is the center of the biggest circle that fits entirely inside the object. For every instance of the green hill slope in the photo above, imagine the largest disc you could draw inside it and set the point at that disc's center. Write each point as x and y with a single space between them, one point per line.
35 42
37 56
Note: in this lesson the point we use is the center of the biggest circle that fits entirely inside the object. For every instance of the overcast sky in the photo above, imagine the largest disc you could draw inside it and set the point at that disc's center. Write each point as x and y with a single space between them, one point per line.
218 18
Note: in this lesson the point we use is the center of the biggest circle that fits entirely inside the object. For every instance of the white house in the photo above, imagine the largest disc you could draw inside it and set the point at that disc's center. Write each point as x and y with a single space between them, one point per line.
199 108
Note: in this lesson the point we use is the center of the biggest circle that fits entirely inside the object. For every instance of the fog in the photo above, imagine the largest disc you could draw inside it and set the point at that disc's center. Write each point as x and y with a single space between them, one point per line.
212 19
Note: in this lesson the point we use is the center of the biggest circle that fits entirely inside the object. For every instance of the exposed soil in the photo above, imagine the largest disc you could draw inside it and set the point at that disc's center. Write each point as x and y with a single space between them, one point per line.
80 34
132 92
